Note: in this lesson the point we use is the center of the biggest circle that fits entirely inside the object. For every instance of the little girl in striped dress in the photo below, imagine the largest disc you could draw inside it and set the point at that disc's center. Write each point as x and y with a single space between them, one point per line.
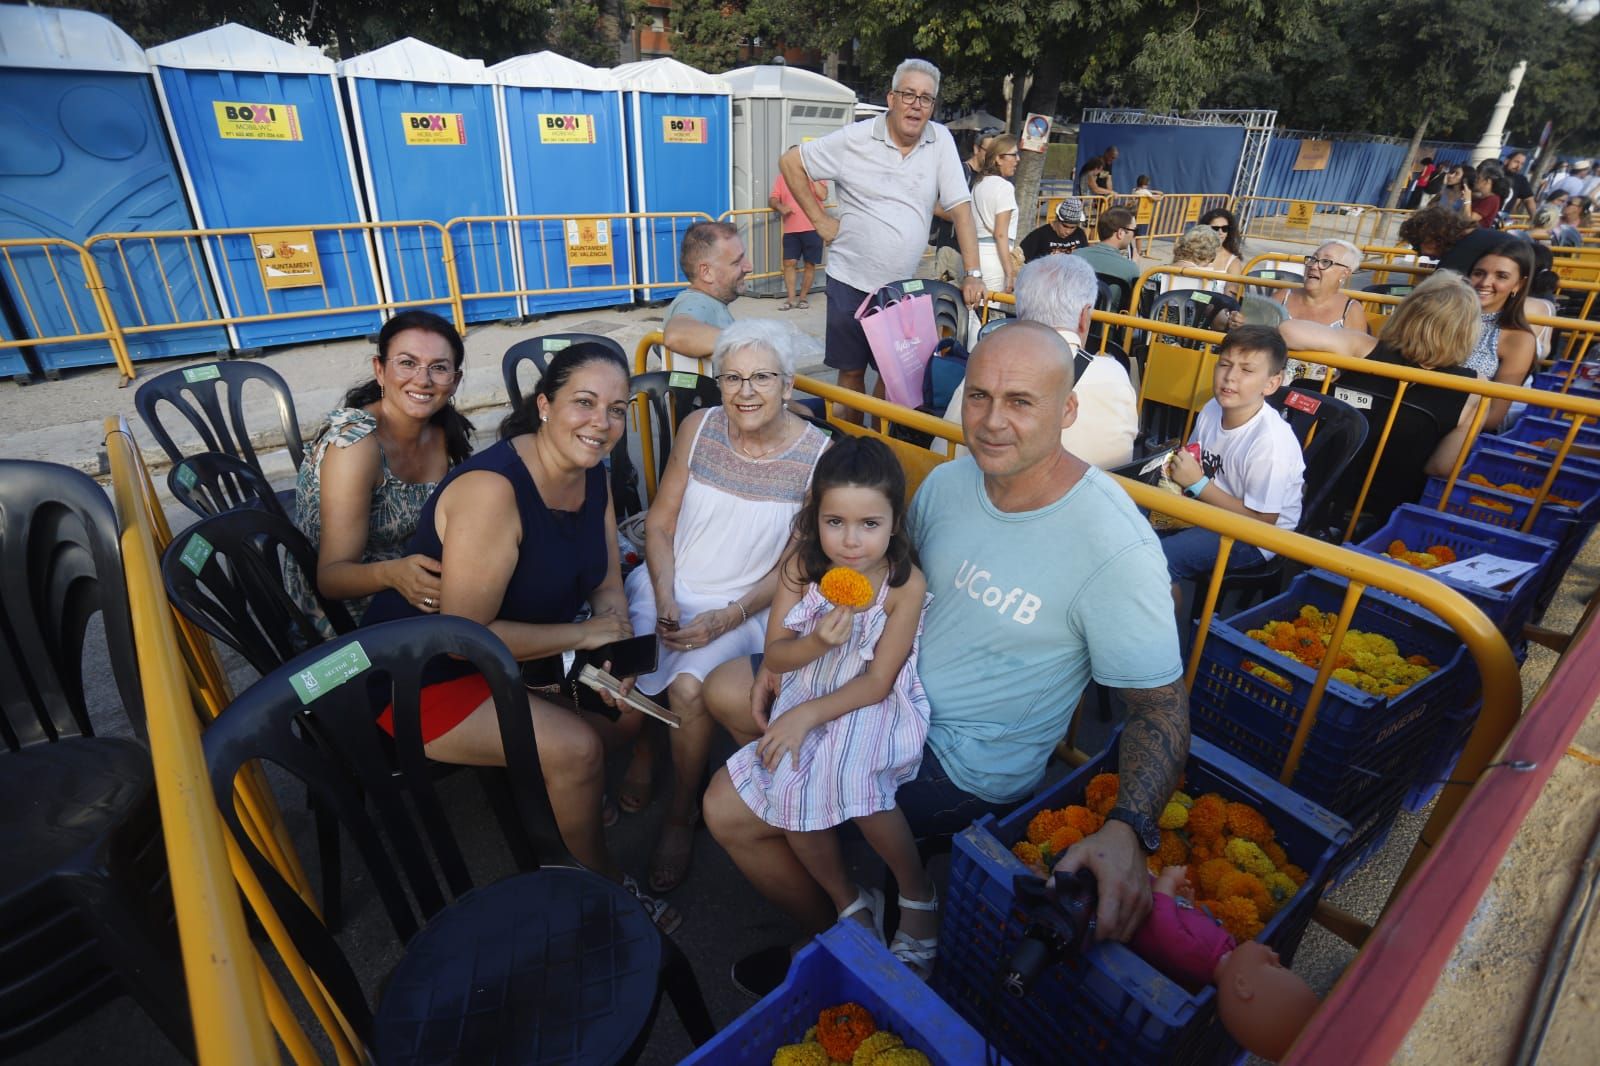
848 725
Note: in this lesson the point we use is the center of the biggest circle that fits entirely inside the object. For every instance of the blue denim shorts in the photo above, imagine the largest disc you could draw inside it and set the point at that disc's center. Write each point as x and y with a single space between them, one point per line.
1192 552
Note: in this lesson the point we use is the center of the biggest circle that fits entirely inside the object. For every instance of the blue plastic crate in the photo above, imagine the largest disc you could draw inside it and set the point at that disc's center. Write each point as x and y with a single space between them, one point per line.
1508 608
1587 389
1362 749
1108 1005
1530 429
845 965
1535 453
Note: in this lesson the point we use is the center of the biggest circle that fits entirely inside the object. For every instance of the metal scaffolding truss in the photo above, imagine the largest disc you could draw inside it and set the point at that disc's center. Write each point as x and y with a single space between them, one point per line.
1257 134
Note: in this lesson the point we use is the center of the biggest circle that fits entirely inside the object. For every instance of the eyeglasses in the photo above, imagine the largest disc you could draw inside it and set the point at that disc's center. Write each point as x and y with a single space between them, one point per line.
760 381
1324 264
1128 229
1220 229
909 98
1010 155
406 369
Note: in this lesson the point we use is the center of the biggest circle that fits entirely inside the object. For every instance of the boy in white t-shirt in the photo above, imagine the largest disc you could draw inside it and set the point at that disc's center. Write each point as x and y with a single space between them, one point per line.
1250 461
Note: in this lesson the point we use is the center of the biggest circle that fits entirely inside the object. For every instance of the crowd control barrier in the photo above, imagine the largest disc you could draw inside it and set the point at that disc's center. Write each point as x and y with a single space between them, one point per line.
49 312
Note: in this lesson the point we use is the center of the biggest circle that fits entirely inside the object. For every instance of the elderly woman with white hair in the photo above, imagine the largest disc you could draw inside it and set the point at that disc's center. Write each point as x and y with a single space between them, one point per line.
1196 247
714 534
1328 269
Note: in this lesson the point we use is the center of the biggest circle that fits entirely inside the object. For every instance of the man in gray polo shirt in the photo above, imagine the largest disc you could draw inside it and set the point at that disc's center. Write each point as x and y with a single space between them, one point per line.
888 173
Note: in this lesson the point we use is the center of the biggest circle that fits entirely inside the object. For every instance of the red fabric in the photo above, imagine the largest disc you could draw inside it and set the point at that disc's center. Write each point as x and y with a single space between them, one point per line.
444 706
1184 943
1486 209
796 221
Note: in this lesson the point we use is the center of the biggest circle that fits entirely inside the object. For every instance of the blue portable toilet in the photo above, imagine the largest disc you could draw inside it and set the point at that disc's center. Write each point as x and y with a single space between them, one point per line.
430 149
262 146
82 151
680 159
566 154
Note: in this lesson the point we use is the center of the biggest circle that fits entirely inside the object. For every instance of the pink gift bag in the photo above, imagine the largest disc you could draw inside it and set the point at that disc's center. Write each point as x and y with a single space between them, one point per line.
903 334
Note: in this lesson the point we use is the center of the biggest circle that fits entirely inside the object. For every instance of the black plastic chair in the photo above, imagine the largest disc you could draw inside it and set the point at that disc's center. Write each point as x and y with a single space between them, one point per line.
949 306
1275 274
1396 289
226 575
196 393
537 351
85 907
671 396
210 483
553 965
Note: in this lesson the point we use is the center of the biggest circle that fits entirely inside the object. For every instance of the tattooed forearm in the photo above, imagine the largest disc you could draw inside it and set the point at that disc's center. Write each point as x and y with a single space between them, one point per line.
1155 745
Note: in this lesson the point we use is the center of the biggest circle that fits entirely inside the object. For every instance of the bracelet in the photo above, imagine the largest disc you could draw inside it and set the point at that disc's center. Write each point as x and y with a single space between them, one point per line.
744 615
1198 487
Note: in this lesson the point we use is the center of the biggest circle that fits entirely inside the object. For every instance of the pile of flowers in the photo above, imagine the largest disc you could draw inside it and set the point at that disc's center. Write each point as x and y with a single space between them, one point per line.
845 587
1518 490
1240 872
1430 557
1368 661
847 1034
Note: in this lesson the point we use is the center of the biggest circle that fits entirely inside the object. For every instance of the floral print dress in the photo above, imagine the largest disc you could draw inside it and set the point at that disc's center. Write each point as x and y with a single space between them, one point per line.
390 521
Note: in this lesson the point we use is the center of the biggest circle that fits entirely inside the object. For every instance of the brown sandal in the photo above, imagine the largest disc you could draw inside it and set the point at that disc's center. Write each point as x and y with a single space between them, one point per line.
669 865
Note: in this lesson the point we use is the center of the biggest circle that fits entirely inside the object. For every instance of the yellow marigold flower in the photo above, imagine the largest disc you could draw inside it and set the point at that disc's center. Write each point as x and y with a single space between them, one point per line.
801 1055
1209 874
810 1037
1239 916
846 588
1245 821
1183 798
1173 816
1041 825
1293 872
1275 852
875 1045
1248 856
1101 794
1281 887
901 1056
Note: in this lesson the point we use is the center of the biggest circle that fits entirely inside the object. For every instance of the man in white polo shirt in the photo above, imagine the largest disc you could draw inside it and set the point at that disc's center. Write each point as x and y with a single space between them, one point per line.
889 173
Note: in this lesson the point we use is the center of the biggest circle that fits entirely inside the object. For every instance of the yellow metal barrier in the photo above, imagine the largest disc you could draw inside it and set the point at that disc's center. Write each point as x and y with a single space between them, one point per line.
47 309
1315 222
1502 688
555 239
219 963
232 259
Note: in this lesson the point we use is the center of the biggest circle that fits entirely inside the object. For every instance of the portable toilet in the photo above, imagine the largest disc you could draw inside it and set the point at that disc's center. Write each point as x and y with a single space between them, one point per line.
86 154
566 154
680 160
430 149
776 106
262 146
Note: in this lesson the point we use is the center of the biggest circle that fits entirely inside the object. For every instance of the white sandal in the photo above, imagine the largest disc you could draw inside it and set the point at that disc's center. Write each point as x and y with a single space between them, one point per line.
917 955
871 901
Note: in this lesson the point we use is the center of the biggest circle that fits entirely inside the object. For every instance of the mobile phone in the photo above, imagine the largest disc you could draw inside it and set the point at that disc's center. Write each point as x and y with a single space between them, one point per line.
667 623
628 658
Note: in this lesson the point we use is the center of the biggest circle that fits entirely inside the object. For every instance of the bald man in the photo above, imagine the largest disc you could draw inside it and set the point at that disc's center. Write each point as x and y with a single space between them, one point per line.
1043 575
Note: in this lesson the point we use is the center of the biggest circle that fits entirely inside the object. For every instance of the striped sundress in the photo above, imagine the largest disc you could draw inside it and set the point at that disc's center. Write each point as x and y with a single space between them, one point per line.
853 765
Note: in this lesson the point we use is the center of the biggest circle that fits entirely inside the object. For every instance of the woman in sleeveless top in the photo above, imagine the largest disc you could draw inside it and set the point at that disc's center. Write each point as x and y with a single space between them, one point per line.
1432 329
1230 257
1319 299
374 464
1197 247
527 536
715 533
1506 347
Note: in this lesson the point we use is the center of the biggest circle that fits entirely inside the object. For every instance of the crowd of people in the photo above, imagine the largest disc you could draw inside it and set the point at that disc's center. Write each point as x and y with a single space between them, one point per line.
938 691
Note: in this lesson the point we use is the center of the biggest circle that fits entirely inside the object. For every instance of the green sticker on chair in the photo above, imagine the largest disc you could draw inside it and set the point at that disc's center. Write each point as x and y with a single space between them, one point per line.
1200 297
187 477
209 372
329 672
196 553
555 344
682 379
911 286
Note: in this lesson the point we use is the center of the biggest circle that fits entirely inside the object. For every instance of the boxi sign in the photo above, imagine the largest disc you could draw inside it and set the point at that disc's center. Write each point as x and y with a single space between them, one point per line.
566 129
423 128
683 129
256 122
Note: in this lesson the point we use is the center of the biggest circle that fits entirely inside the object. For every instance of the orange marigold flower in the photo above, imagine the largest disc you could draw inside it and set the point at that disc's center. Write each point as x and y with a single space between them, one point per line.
1245 821
841 1029
1173 851
1210 873
1237 915
1297 875
1397 548
1063 838
1202 849
1276 853
1101 795
1442 552
846 588
1083 819
1208 817
1153 864
1043 824
1027 852
1249 886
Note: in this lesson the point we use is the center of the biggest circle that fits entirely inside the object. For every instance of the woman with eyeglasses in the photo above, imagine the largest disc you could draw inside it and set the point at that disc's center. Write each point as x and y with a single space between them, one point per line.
373 465
714 535
1319 298
994 209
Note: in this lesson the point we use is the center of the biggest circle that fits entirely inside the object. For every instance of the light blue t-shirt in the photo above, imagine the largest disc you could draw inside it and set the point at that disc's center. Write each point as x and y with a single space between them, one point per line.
701 307
1026 608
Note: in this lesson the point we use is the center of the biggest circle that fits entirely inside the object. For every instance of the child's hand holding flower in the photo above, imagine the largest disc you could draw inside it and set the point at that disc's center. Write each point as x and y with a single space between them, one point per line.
833 628
1185 468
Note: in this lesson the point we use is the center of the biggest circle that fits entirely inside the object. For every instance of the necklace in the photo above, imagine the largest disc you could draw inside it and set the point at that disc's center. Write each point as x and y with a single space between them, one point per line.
742 450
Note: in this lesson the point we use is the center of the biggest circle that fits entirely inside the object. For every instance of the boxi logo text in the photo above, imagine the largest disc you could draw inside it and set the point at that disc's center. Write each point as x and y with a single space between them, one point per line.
249 113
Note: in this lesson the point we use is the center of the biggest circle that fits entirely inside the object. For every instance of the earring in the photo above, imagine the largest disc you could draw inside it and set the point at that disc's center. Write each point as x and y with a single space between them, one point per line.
380 392
544 418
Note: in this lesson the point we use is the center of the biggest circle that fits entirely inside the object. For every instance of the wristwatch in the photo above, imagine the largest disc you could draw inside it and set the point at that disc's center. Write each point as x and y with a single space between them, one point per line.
974 273
1144 827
